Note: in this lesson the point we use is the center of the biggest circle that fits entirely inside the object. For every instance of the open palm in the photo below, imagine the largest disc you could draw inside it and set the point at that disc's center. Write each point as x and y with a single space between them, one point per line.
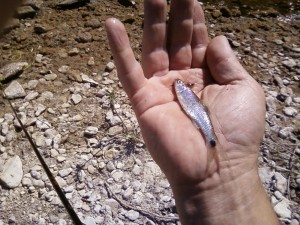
182 51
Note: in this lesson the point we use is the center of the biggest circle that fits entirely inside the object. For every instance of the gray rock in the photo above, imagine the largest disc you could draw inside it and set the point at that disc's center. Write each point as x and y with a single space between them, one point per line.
91 61
85 78
132 215
14 90
40 29
112 119
285 132
93 23
12 70
91 131
112 131
50 76
26 182
281 182
31 95
65 172
89 221
109 66
76 98
290 111
12 173
127 193
84 37
290 63
39 109
25 12
117 175
282 209
294 222
64 69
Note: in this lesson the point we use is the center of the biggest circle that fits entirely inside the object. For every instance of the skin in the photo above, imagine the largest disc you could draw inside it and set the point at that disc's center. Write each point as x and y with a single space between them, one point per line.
211 185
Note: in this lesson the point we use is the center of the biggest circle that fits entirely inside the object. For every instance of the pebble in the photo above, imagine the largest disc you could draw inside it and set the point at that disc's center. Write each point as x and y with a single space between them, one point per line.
31 95
14 90
282 209
50 77
285 132
91 131
290 63
112 131
290 111
117 175
85 78
109 66
132 215
64 69
39 109
112 119
65 172
76 98
281 182
12 173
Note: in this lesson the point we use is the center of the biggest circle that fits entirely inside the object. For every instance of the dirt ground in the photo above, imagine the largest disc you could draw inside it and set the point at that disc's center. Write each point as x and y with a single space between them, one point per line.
259 37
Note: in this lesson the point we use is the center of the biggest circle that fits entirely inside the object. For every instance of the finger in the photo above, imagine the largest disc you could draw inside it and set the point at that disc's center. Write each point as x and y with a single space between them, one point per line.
129 70
180 34
155 59
222 63
199 38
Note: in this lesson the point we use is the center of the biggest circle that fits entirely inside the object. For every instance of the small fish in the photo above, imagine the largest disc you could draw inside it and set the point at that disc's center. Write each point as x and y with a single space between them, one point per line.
192 106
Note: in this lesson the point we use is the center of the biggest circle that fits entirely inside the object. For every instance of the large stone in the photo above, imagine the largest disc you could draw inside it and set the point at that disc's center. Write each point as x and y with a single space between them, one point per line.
12 70
14 90
12 173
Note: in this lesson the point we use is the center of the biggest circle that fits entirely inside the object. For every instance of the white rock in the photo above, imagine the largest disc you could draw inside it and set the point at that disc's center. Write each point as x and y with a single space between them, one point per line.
132 215
109 66
282 209
76 98
117 175
64 69
31 95
65 172
12 172
281 182
85 78
290 111
91 131
39 109
14 90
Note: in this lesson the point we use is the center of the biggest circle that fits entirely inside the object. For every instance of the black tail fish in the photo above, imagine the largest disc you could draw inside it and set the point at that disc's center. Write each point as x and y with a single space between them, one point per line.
192 106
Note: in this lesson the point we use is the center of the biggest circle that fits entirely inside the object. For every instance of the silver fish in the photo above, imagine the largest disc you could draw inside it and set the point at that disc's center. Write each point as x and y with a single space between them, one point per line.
192 106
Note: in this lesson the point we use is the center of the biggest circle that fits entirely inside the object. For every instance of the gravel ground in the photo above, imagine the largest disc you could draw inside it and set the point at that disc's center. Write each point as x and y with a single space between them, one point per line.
57 70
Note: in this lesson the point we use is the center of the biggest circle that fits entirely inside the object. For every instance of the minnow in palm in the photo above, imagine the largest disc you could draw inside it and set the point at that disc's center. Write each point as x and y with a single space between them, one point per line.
192 106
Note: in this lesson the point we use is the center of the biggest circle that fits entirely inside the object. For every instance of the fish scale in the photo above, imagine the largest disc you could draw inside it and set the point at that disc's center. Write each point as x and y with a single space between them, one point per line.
197 112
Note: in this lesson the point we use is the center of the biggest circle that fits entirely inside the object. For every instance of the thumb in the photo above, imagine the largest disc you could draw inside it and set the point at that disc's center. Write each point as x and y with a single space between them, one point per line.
222 63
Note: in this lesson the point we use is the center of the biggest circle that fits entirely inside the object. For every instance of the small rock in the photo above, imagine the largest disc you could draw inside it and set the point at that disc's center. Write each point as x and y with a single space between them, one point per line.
65 172
281 182
290 111
285 132
91 61
132 215
50 77
31 95
112 119
12 173
26 182
39 109
89 221
12 70
85 78
117 175
127 193
14 90
91 131
76 98
84 37
109 66
112 131
282 209
290 63
40 29
73 52
64 69
93 23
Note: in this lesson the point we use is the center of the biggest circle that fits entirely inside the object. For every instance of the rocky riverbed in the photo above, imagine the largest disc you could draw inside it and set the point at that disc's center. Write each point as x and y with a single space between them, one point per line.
57 70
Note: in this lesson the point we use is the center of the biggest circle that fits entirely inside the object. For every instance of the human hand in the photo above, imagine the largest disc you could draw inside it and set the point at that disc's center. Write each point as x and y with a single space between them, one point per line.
235 101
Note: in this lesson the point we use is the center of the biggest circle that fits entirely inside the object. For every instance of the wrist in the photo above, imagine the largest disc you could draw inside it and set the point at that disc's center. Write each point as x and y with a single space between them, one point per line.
240 200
